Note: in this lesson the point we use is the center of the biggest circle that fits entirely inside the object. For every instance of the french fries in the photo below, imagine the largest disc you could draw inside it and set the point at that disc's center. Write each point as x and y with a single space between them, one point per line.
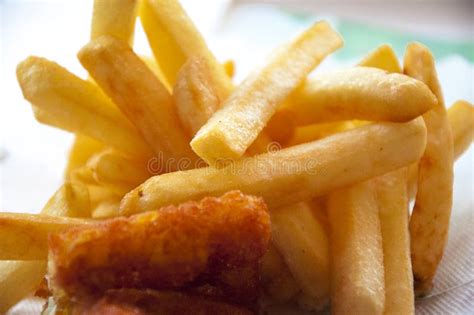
115 18
357 283
174 38
138 93
359 93
65 101
82 149
20 278
429 222
461 120
232 129
382 58
303 243
293 174
25 236
392 201
314 132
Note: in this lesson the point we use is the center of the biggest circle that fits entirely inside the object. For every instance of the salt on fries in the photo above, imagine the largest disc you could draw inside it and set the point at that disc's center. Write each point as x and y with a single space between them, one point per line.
353 147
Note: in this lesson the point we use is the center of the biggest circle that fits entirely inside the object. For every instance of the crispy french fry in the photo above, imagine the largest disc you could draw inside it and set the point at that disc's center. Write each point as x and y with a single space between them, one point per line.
303 243
392 200
359 93
106 209
99 194
357 282
314 132
138 93
82 149
20 278
115 18
382 58
277 279
429 222
293 174
65 101
25 236
232 129
174 38
109 166
153 66
461 120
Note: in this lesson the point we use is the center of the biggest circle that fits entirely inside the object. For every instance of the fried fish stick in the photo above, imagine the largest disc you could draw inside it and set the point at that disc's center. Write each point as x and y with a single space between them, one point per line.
292 174
20 278
392 200
461 120
25 236
429 222
65 101
304 245
138 93
357 282
174 38
382 58
232 129
359 93
115 18
222 238
81 150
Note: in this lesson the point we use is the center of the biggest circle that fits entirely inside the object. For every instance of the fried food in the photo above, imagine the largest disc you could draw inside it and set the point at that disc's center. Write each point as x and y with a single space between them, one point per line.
461 120
81 150
429 222
212 247
293 174
382 58
357 283
244 114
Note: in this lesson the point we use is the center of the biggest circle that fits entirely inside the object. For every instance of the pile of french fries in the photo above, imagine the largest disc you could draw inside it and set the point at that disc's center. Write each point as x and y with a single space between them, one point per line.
355 146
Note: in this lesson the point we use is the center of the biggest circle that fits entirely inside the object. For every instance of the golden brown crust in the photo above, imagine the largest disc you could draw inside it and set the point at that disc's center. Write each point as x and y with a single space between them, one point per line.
212 247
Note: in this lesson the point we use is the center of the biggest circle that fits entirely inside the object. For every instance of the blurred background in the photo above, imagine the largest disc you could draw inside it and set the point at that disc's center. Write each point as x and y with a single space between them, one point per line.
32 156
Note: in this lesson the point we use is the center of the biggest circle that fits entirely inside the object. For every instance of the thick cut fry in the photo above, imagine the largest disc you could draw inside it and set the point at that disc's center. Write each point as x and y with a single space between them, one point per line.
357 282
303 243
65 101
382 58
461 119
174 38
393 208
359 93
151 63
115 18
278 282
81 150
20 278
138 93
232 129
314 132
109 166
293 174
25 236
429 222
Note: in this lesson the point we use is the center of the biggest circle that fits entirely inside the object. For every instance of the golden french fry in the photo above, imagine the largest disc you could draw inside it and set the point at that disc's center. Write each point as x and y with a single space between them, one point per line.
109 166
392 200
174 38
229 67
412 182
293 174
382 58
138 93
232 129
461 119
302 241
153 66
359 93
314 132
277 280
115 18
281 127
25 236
99 194
357 282
106 209
81 150
83 175
20 278
65 101
429 222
